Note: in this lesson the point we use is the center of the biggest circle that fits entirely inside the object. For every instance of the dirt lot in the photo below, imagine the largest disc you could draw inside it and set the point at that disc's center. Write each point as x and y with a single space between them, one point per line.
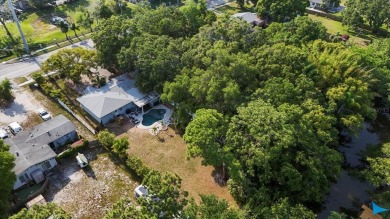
88 193
169 155
17 111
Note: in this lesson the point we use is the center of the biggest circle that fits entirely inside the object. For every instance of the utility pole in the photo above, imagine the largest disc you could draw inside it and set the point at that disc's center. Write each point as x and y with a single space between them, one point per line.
11 7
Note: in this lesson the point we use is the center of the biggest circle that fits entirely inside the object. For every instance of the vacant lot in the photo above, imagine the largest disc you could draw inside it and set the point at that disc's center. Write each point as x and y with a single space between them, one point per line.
88 193
169 155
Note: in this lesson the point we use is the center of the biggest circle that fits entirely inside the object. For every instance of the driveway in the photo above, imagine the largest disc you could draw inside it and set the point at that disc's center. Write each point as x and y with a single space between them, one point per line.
30 65
89 192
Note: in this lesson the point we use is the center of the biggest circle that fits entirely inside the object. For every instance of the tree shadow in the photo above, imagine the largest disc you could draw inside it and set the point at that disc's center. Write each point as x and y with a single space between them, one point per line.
89 172
218 177
13 109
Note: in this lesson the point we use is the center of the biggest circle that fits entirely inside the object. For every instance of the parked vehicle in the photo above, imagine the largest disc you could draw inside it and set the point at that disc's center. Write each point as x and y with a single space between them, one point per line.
3 134
44 114
81 160
15 128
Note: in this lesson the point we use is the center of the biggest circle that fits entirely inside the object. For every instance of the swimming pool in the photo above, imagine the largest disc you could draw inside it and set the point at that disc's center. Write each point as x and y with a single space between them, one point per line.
153 116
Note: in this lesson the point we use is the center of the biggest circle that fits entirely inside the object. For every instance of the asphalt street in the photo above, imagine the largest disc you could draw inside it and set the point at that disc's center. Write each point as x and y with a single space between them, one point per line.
29 65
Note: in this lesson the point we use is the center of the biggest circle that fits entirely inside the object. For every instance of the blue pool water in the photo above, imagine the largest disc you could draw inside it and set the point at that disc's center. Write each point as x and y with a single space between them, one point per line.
153 116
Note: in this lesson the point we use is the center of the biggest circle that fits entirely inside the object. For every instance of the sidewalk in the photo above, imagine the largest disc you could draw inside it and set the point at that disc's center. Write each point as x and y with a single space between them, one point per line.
32 80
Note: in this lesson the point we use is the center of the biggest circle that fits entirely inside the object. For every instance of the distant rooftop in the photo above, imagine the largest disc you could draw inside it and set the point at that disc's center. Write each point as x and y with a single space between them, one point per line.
31 147
249 17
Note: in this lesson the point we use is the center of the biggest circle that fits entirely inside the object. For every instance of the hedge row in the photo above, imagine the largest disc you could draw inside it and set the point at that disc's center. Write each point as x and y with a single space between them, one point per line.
72 151
137 165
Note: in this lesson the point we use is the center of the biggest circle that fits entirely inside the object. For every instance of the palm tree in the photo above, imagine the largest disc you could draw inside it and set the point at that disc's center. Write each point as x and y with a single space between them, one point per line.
64 28
74 28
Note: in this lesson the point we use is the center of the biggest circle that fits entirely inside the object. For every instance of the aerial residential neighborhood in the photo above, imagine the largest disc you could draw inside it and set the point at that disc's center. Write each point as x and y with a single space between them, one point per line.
195 109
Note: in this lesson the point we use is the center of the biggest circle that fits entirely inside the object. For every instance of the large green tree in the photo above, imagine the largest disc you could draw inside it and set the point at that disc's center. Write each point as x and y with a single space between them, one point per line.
281 10
211 207
49 210
156 59
109 36
106 138
120 146
344 82
299 31
282 151
72 63
376 13
205 136
7 178
283 209
5 90
165 200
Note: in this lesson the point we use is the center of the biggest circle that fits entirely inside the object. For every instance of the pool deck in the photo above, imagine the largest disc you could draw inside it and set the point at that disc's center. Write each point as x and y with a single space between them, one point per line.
166 118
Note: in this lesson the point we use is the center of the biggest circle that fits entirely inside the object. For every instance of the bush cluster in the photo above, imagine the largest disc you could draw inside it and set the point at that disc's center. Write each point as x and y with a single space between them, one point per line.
73 150
137 165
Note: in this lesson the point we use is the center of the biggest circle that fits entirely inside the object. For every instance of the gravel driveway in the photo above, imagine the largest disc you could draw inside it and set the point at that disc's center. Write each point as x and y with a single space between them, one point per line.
88 193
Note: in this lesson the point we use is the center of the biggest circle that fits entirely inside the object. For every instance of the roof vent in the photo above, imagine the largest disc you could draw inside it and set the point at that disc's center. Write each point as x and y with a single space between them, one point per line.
49 133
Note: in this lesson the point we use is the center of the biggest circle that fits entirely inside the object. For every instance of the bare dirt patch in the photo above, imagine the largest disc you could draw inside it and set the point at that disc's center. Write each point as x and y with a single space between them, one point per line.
17 111
89 192
169 155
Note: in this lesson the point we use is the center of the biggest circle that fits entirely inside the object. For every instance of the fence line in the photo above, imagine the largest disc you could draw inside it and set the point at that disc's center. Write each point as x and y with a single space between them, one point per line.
79 118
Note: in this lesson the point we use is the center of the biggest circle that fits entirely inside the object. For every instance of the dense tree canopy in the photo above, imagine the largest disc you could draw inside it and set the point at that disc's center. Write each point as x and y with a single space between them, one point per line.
106 138
205 136
267 103
49 210
211 208
375 13
280 10
156 58
7 178
379 172
110 36
72 63
280 148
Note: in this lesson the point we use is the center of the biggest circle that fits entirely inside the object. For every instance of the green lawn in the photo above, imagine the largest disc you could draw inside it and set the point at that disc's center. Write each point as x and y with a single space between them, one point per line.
234 8
335 27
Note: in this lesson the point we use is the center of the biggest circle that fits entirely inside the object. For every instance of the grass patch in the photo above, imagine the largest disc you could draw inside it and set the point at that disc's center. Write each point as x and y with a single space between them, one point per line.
234 8
33 119
20 80
333 27
169 155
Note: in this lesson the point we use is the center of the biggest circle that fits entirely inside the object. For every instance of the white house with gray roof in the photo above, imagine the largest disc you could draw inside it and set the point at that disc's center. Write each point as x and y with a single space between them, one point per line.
33 148
113 99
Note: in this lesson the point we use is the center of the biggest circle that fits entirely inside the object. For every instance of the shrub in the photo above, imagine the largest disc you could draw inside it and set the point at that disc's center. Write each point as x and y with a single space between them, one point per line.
72 151
138 166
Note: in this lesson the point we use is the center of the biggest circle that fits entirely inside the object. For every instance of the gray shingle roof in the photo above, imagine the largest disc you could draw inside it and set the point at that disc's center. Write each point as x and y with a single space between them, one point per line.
101 104
32 144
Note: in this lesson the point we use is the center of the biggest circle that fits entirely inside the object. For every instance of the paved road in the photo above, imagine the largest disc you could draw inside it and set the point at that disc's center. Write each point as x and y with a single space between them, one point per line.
27 66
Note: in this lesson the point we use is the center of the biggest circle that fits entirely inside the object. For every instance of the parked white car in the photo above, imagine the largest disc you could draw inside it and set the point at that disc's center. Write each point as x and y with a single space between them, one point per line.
3 134
44 114
15 128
